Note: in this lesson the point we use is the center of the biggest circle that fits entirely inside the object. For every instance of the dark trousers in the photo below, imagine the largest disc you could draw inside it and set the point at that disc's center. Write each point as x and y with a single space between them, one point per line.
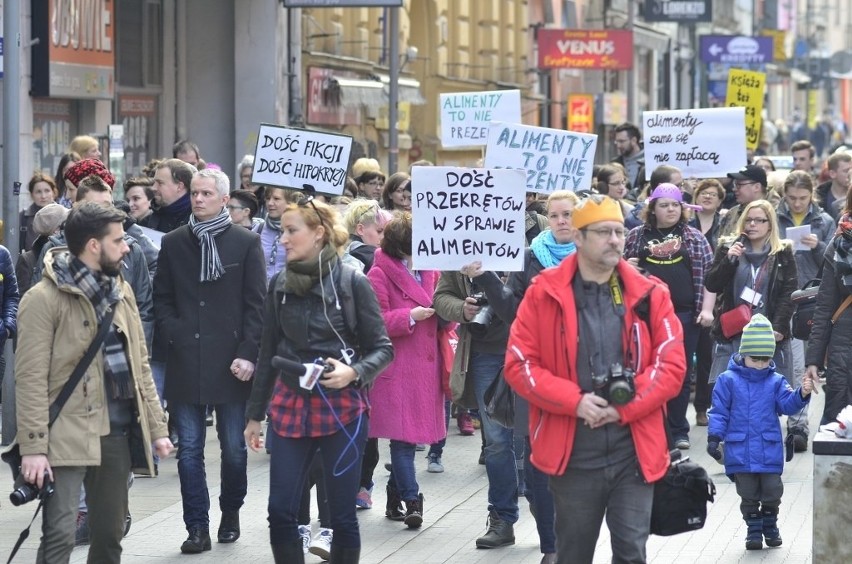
678 405
368 465
316 477
704 359
289 466
759 491
106 487
541 503
583 497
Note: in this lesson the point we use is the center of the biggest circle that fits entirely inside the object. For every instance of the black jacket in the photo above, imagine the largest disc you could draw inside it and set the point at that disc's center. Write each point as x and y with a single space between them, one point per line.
298 330
205 326
783 281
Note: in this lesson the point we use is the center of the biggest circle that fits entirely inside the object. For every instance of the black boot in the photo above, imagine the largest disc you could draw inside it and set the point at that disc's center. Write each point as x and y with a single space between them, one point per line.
499 533
229 527
393 508
414 512
197 542
770 527
289 553
343 555
754 534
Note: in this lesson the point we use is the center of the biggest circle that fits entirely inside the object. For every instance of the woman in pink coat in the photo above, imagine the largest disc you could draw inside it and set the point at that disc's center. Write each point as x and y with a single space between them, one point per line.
407 399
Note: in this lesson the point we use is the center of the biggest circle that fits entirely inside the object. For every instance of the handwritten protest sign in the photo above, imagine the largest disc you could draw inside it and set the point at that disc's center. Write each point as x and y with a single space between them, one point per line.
745 88
465 115
461 215
702 143
294 158
553 159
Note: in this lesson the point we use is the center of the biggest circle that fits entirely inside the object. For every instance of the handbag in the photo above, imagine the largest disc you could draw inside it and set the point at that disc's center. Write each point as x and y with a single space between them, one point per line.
500 402
11 455
804 304
448 340
734 321
681 495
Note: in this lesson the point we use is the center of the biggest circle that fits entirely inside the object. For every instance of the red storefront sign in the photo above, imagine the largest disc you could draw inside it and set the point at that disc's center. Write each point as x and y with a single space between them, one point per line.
585 49
323 107
581 113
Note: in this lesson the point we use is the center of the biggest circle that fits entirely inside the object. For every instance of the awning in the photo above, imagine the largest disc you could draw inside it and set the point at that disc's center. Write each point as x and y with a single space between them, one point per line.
650 38
373 93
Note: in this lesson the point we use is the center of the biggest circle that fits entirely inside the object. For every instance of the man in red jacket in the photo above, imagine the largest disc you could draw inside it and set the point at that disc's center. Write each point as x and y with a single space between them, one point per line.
596 402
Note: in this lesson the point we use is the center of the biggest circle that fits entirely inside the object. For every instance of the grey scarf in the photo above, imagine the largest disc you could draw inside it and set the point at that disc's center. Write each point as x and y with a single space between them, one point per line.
206 231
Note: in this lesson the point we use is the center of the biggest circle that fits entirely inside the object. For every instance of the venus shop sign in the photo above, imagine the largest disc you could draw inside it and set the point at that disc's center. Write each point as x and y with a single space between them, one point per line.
585 49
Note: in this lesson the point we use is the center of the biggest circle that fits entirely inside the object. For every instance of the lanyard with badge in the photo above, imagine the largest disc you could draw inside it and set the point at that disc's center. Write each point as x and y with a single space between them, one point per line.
750 294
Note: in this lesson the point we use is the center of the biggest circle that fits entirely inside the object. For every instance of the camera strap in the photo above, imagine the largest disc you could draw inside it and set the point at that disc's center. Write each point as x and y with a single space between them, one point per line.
25 533
617 294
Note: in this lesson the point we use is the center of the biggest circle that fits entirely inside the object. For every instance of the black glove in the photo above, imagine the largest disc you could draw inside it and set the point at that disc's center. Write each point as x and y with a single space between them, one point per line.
713 447
789 447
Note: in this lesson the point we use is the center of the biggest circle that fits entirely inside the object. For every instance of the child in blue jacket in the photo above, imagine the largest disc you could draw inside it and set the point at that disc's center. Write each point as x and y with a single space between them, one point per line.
747 400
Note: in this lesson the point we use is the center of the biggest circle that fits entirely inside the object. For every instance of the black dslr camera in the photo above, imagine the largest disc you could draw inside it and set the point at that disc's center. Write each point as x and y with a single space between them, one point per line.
480 322
25 492
616 386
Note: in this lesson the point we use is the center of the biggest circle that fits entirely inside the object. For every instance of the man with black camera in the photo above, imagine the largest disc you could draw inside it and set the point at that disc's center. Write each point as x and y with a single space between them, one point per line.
597 351
479 357
107 425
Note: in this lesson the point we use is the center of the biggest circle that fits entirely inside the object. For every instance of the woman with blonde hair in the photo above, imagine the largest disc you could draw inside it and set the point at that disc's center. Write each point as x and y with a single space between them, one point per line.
329 418
365 221
757 268
86 146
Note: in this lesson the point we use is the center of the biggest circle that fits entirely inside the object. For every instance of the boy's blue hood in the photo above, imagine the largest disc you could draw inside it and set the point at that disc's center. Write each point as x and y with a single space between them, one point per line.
737 364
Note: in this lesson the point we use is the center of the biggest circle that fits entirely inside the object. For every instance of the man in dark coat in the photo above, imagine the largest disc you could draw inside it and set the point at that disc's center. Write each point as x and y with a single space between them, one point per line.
208 301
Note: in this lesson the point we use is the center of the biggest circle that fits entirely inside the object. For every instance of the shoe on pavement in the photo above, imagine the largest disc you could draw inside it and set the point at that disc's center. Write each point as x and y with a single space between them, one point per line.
229 527
305 535
465 424
435 466
197 542
682 444
364 499
321 545
414 512
499 533
701 419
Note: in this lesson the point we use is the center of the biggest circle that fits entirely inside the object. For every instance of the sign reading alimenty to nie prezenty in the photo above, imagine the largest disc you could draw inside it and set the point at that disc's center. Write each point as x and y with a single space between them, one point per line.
746 89
301 159
701 143
552 159
465 115
461 215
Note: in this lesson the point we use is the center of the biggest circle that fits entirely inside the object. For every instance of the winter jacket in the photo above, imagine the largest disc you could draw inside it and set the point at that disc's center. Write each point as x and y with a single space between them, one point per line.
783 281
808 262
407 398
836 209
541 363
11 298
830 345
453 288
27 233
744 414
303 320
712 235
206 325
57 324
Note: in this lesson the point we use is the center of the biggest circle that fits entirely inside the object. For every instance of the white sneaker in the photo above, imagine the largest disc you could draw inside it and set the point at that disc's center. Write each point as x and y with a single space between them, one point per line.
305 534
321 545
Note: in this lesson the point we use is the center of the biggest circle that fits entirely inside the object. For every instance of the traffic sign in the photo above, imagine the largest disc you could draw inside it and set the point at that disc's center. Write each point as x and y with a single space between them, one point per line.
736 49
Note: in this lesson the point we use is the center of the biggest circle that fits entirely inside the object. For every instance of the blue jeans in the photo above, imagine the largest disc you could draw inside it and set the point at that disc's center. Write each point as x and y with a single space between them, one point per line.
499 448
438 448
192 430
289 466
403 475
541 503
678 405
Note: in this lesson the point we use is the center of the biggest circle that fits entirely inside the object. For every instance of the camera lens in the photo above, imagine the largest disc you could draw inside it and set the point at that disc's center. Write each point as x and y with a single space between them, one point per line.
620 393
24 494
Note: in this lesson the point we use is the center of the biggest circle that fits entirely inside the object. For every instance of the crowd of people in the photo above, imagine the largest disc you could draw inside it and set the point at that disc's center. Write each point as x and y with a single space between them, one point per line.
241 305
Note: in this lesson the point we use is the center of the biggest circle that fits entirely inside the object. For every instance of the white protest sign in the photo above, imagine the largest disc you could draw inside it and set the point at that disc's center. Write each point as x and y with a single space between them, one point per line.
552 159
297 158
702 143
465 115
460 215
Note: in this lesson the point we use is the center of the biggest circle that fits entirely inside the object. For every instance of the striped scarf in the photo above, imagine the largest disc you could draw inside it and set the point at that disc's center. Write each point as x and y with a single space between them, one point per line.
206 231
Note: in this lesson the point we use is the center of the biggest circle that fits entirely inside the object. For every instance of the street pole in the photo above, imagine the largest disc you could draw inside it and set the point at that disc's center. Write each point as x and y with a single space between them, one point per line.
631 74
11 184
393 94
294 66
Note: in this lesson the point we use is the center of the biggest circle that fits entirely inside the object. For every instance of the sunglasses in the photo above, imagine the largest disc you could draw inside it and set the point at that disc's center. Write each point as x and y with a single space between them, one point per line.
308 200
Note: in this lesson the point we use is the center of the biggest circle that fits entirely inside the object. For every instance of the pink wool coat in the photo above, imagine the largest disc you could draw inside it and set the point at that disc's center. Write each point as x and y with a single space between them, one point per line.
407 399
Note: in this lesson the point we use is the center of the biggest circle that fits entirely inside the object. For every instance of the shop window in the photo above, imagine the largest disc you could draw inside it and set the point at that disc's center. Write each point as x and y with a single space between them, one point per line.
140 50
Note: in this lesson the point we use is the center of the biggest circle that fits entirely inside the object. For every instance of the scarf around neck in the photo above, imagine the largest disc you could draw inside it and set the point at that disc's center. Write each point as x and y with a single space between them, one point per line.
179 208
274 225
302 275
206 231
843 251
548 251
